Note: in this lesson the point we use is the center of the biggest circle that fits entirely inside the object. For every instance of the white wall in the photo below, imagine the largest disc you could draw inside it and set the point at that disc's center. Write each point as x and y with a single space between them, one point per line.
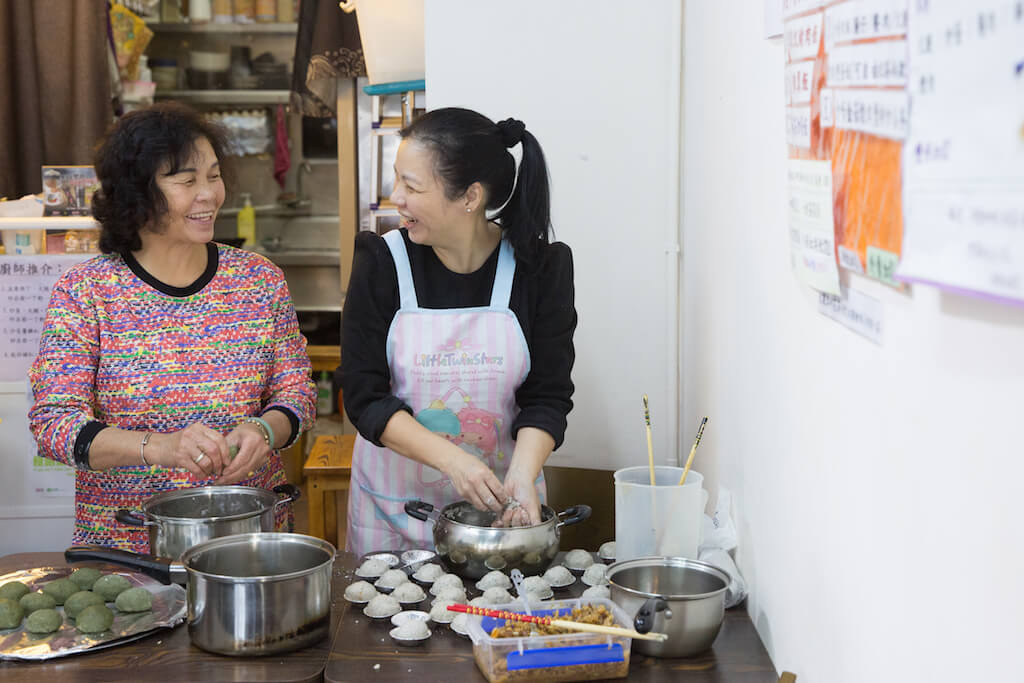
598 86
878 489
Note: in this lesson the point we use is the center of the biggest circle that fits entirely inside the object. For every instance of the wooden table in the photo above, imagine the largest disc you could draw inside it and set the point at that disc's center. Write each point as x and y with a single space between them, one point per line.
737 656
168 654
328 470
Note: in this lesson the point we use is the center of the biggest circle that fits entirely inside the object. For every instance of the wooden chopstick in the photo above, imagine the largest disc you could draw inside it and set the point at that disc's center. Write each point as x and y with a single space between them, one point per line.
548 621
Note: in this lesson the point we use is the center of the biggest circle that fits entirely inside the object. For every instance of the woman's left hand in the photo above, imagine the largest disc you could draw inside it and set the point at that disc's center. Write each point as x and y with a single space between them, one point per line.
252 453
521 489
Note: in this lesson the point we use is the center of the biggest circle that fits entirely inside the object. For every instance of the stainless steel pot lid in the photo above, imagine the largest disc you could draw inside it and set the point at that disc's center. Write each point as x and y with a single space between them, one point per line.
261 556
214 503
671 578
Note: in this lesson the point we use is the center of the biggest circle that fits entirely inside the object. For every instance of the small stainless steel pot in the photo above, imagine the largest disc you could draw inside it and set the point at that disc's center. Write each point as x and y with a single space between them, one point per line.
683 598
178 520
470 547
249 594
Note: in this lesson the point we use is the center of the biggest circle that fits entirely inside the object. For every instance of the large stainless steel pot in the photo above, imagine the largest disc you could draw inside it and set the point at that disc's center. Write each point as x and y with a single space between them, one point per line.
469 546
178 520
683 598
248 594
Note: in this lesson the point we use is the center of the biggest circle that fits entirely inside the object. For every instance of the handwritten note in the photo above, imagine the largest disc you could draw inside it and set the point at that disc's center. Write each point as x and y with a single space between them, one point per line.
855 310
871 64
885 113
812 241
865 19
964 157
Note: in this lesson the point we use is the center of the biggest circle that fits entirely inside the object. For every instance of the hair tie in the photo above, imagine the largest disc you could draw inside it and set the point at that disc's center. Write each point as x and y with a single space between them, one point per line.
511 131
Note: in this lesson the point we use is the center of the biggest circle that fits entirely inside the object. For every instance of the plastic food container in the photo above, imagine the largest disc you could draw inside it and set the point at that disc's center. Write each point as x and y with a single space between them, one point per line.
578 656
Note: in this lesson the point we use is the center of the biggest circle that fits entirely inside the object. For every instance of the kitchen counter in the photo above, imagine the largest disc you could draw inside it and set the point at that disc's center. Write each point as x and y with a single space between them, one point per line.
168 654
362 651
355 647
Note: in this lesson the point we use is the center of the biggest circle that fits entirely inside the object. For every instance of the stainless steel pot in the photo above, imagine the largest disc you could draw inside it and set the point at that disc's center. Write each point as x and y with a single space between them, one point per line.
248 594
178 520
683 598
469 546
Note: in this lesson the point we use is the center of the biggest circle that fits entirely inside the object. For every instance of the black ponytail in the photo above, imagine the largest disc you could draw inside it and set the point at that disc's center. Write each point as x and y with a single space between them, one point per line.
468 147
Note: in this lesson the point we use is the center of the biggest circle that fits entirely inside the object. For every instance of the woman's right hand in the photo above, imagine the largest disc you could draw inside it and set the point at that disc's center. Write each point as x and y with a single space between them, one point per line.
202 451
474 481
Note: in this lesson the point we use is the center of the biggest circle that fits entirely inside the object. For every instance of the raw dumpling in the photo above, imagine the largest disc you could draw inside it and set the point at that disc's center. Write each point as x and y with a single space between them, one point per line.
93 619
494 579
408 592
79 601
440 613
61 589
597 592
497 596
428 572
13 590
372 568
11 613
382 606
414 629
134 600
360 591
110 586
595 575
578 559
444 581
85 577
452 593
607 551
392 578
43 621
558 576
30 602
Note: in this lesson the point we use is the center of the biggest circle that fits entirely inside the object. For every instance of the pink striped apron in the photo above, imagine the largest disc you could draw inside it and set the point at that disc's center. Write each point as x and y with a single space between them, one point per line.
459 370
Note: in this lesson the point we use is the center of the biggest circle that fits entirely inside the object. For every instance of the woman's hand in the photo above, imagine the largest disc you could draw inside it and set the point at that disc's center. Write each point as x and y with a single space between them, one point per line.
202 451
474 481
520 488
252 452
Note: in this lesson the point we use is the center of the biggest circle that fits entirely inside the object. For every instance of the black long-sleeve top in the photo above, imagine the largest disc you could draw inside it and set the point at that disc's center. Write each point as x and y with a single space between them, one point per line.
542 300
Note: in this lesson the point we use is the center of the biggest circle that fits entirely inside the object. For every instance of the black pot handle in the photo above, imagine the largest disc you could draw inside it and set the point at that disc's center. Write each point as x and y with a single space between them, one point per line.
573 515
151 565
290 490
643 622
132 518
420 510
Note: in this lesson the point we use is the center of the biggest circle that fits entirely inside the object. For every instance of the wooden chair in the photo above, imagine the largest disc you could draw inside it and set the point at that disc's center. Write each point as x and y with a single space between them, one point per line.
328 469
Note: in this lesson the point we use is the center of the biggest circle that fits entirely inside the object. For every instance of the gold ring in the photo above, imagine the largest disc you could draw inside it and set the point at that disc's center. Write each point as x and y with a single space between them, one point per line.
199 457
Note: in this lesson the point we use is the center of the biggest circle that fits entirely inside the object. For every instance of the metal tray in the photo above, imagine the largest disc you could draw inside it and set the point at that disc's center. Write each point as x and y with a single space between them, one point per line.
17 644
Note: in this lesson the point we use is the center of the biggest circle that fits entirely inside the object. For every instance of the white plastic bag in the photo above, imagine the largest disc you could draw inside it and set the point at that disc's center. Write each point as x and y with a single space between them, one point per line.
719 539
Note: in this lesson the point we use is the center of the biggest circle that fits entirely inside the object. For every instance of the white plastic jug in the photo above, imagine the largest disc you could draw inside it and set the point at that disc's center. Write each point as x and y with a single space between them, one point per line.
664 520
391 33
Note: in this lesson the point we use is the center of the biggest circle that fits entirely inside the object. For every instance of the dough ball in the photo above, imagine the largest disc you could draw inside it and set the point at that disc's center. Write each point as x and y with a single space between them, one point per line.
79 601
10 613
134 600
61 589
13 590
110 586
30 602
94 619
85 577
43 621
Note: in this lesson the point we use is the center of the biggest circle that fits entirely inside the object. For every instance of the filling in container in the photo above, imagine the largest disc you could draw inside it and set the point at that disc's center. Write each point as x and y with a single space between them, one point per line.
574 656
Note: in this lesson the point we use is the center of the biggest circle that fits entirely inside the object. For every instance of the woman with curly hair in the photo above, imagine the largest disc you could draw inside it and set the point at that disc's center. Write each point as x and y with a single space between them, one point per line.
169 361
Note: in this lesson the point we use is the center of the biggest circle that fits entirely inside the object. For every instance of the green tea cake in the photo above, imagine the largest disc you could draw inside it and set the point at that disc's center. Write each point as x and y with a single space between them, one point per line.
134 600
13 590
110 586
10 613
85 577
43 621
61 589
79 601
30 602
94 619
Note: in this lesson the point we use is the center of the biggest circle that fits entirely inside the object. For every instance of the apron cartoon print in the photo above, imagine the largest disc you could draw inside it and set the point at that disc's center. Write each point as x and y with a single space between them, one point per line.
458 369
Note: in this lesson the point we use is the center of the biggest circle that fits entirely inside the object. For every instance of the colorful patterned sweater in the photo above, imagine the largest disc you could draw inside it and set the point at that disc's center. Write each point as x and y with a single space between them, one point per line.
121 348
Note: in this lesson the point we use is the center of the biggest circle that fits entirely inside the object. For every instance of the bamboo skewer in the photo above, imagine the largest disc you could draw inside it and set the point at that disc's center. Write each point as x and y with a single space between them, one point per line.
563 623
693 451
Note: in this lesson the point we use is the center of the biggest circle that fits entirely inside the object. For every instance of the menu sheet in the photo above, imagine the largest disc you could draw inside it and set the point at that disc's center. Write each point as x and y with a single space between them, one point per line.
964 160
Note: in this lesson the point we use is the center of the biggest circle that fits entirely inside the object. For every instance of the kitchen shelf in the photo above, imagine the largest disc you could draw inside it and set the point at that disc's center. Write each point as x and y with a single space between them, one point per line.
272 210
216 27
49 223
226 96
301 257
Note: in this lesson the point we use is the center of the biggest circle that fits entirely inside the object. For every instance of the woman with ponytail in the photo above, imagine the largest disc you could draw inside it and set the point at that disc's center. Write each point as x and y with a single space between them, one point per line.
457 333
